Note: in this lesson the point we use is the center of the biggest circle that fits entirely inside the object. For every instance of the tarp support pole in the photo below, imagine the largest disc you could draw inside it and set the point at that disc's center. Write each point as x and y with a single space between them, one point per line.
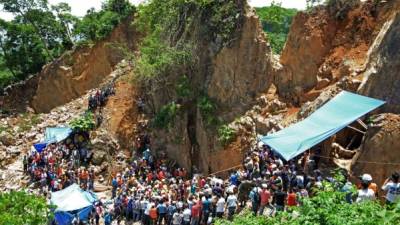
353 128
362 124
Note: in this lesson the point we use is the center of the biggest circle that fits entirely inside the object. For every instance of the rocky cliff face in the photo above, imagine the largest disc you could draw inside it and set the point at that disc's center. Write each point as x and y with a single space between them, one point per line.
381 79
231 77
326 45
379 154
74 73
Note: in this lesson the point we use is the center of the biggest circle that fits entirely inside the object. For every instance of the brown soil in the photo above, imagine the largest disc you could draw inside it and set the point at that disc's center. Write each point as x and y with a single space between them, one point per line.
122 113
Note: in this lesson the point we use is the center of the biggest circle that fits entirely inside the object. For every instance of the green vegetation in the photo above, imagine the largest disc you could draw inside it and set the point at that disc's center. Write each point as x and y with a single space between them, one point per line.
165 118
41 32
327 207
276 22
183 87
18 208
83 123
207 109
157 58
96 26
167 44
226 134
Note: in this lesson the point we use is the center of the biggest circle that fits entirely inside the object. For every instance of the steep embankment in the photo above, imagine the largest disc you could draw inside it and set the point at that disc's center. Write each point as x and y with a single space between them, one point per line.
226 78
75 72
327 44
381 79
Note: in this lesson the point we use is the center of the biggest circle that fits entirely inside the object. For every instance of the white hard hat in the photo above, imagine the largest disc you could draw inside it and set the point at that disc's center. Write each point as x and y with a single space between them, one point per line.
366 177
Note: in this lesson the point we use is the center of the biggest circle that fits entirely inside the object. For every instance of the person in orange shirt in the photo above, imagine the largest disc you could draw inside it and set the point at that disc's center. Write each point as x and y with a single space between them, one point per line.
291 198
153 215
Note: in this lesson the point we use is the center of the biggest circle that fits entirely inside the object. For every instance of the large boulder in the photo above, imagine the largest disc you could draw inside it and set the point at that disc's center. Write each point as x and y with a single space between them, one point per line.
7 139
102 146
379 153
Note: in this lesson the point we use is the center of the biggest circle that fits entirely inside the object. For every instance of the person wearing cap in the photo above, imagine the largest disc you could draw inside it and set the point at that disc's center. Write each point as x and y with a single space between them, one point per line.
365 194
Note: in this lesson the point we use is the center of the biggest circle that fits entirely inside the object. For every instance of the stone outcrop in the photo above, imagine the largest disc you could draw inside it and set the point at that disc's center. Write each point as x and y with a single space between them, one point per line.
323 48
380 149
242 71
381 79
231 76
74 73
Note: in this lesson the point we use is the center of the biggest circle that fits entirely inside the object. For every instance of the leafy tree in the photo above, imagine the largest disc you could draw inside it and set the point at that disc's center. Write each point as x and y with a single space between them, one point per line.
23 51
95 26
18 208
23 8
66 20
276 22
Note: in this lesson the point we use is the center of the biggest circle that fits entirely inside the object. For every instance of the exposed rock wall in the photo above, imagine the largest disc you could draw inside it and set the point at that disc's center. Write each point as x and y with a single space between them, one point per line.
74 73
242 71
18 96
232 77
381 79
379 154
322 48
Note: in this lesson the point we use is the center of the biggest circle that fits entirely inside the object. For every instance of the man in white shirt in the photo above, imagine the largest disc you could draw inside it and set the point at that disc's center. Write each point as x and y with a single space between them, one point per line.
231 203
220 207
186 215
392 187
177 218
365 194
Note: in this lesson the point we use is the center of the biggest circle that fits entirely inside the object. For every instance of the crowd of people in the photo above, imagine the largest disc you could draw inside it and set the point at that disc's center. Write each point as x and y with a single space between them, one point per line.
59 165
99 99
152 191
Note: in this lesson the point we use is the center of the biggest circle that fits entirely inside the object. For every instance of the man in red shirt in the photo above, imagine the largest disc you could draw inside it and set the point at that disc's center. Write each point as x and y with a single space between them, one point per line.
196 213
265 196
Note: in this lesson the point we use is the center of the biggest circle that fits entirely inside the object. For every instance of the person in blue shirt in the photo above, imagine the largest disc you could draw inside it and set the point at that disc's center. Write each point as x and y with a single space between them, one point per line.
114 184
146 155
234 179
107 218
170 211
162 212
206 208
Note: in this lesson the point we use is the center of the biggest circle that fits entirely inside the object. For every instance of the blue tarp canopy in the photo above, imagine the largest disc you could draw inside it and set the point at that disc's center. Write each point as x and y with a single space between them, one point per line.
72 201
40 146
335 115
56 134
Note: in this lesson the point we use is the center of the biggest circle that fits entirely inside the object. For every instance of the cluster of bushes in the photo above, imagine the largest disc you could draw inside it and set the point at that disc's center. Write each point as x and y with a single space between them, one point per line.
327 207
19 207
166 116
83 123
